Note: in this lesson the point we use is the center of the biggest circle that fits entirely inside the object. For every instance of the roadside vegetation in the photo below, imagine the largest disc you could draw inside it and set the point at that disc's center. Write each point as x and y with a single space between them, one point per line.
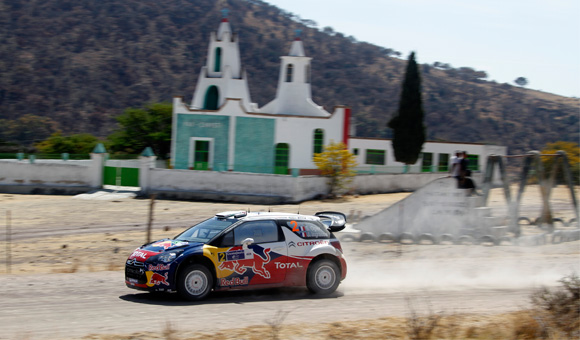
555 315
337 164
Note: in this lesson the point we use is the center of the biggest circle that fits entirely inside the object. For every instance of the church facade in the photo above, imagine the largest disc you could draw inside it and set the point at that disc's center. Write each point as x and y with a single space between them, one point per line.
223 130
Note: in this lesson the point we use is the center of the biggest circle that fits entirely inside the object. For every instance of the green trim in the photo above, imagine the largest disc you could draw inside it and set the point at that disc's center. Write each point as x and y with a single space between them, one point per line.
426 161
99 148
211 98
318 141
289 71
375 156
218 59
281 159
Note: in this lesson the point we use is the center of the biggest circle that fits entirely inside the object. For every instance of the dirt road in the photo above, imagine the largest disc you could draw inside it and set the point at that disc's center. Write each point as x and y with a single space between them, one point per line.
67 279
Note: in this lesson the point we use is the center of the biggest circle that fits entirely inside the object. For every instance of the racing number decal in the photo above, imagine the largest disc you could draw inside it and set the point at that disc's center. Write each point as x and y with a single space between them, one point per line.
294 226
221 257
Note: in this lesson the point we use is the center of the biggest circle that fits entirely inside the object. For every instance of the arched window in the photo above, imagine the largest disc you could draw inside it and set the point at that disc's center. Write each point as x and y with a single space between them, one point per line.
218 60
307 74
211 98
281 159
318 141
289 70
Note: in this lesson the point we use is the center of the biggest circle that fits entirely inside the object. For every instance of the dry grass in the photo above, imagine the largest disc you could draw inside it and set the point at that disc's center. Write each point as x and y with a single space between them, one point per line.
522 325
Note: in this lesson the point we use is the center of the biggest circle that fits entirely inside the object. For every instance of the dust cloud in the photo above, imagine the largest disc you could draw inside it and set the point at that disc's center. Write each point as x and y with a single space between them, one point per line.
408 268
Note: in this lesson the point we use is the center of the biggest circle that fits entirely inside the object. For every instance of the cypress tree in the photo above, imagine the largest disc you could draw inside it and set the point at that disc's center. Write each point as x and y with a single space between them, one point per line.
407 124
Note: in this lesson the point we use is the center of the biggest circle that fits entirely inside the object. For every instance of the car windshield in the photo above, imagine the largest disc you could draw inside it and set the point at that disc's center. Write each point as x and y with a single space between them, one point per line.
206 230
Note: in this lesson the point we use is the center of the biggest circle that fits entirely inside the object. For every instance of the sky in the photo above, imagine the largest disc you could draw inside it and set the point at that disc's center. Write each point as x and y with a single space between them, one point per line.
535 39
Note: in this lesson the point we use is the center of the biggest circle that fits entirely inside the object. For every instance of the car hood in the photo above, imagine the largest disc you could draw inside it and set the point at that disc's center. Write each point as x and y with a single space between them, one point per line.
154 248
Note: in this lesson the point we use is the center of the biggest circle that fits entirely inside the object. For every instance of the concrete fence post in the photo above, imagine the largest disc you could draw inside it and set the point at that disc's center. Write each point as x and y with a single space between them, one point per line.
146 163
96 169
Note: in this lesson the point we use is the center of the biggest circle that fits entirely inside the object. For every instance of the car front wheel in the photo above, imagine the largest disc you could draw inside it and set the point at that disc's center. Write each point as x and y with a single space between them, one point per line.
195 282
323 277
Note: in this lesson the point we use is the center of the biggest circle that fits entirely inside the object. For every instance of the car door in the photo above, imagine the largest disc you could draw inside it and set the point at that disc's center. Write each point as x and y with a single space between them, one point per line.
258 255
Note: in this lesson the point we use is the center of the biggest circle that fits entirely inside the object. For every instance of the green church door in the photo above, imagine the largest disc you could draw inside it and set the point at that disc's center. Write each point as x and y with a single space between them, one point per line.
281 159
201 155
211 98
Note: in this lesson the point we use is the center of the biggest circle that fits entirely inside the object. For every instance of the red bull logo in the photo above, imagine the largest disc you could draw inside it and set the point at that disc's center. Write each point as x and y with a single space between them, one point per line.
257 264
155 279
235 281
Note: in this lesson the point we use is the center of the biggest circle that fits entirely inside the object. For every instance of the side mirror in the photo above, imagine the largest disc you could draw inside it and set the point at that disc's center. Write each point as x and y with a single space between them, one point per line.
335 221
246 242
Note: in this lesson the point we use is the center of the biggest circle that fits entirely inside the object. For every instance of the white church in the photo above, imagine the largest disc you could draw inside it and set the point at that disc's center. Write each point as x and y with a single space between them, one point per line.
223 130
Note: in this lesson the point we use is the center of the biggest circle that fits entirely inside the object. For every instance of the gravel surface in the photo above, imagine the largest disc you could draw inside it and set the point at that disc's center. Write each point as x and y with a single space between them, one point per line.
67 255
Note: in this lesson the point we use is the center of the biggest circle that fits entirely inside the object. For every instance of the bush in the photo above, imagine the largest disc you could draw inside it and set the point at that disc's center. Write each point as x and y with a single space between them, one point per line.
560 308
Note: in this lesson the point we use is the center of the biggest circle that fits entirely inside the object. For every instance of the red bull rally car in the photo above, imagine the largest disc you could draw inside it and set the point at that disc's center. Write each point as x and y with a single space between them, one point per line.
242 250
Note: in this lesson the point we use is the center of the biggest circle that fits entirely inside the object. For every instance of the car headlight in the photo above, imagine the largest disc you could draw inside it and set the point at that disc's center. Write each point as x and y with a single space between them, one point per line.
167 256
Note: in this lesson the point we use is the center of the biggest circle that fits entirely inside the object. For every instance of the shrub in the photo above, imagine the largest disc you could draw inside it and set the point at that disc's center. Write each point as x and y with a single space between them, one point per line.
560 308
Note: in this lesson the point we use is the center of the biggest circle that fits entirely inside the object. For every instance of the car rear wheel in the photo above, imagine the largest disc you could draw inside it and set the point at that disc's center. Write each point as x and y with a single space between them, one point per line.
323 277
195 282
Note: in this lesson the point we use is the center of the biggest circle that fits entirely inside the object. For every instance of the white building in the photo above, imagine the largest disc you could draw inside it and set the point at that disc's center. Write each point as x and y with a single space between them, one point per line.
223 129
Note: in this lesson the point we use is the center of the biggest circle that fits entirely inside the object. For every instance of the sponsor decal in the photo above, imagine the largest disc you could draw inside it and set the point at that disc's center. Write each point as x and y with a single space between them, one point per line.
154 279
235 281
134 262
312 243
256 263
300 230
291 244
158 267
290 265
235 255
169 244
142 255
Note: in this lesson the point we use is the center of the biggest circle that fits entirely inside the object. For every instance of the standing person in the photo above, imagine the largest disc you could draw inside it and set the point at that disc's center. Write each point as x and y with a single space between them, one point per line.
465 181
455 160
464 166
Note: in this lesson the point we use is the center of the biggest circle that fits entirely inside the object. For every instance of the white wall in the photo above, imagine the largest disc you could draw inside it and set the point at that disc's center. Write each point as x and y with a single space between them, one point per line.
269 189
298 132
46 177
362 144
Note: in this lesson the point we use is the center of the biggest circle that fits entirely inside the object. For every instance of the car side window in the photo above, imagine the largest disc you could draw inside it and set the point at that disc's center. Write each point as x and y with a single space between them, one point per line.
260 231
227 240
307 229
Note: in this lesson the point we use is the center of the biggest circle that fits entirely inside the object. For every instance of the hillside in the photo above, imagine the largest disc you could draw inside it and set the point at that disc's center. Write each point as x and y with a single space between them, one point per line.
73 65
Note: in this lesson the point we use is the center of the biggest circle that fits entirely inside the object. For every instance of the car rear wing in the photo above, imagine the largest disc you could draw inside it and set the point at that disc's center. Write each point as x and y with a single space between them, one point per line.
335 221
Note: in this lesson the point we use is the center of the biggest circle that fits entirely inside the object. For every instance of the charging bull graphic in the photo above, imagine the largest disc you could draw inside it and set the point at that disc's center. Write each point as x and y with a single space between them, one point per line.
154 279
257 264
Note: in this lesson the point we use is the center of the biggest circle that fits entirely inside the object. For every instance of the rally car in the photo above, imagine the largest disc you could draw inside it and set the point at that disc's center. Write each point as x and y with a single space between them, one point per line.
243 250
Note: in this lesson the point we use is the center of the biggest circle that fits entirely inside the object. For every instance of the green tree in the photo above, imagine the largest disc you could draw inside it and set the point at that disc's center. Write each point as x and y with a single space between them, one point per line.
407 124
572 151
82 143
521 81
336 163
27 129
143 127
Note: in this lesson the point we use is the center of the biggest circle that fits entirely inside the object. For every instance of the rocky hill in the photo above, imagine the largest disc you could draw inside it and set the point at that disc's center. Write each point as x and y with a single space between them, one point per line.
73 65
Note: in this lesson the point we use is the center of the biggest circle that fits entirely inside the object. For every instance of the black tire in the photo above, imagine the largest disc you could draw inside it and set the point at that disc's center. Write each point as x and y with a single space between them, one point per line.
195 282
488 240
386 238
466 239
347 238
406 238
426 237
323 277
446 238
367 237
